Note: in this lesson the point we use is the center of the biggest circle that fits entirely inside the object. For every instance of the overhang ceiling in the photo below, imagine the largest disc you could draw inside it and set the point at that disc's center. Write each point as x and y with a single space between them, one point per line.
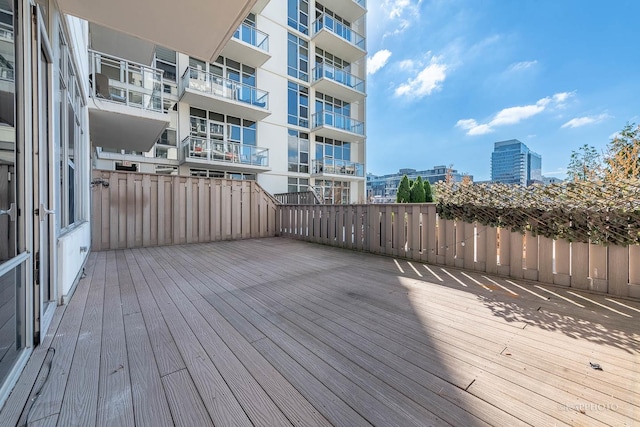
194 27
114 43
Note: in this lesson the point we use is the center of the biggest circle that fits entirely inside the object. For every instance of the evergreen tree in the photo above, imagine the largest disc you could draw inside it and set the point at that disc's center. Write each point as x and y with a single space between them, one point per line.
417 191
428 195
404 191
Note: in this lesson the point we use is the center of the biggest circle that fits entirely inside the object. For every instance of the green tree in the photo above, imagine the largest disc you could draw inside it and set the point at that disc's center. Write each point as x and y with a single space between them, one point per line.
585 164
404 191
428 194
622 158
417 191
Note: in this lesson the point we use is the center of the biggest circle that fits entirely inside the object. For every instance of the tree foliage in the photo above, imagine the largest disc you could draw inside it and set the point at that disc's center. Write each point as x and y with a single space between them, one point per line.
404 191
622 158
417 191
428 193
585 164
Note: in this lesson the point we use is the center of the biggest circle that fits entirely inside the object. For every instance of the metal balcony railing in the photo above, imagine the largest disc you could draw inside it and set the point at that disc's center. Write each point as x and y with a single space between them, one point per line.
212 84
338 121
224 151
327 22
118 80
329 165
252 36
339 76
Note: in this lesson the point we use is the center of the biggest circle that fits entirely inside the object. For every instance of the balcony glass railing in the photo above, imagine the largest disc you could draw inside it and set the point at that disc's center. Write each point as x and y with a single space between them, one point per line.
125 82
6 73
329 165
224 151
212 84
338 121
362 3
338 28
339 76
252 36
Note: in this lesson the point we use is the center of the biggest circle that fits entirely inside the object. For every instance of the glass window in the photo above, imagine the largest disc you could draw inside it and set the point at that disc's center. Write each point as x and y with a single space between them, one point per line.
298 15
298 151
297 58
298 105
295 185
166 61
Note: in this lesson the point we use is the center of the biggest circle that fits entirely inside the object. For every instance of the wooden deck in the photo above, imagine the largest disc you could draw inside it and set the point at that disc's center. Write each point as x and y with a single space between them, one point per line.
282 332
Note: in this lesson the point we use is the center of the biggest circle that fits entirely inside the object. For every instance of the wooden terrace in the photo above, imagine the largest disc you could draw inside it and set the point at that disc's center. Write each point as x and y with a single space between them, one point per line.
277 331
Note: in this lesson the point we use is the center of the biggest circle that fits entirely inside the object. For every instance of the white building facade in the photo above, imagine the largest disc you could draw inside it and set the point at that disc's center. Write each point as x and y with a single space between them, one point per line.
50 123
284 103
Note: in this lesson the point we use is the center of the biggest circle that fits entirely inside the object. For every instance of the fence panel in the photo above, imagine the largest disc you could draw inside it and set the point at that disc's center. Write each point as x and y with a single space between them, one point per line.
139 210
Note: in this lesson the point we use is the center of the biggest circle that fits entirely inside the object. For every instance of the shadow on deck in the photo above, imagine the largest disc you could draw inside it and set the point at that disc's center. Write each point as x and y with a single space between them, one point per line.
281 332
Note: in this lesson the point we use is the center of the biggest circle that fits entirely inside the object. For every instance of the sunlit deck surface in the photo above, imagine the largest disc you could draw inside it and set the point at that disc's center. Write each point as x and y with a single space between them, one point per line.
278 332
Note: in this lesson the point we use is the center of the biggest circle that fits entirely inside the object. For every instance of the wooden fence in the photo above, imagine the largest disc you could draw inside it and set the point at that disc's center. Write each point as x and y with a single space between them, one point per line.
415 231
138 210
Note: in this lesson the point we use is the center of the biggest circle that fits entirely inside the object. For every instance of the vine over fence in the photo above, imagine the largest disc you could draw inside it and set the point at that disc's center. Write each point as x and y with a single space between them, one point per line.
606 213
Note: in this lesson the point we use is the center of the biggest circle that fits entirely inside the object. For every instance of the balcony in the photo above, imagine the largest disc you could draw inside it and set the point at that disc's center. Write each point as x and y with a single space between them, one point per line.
229 156
340 40
211 92
127 98
249 46
338 83
343 169
161 332
351 10
337 126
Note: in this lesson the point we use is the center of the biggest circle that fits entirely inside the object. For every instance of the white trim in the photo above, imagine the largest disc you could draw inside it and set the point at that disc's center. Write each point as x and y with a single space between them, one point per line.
14 375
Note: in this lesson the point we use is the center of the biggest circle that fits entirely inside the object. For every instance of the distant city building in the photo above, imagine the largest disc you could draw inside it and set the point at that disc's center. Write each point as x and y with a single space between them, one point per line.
546 180
383 188
512 162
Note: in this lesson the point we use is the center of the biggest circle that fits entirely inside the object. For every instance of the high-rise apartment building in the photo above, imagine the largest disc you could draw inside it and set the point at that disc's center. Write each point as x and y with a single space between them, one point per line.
513 163
283 104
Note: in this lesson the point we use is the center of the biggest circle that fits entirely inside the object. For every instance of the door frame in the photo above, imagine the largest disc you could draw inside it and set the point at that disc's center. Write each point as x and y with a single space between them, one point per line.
43 310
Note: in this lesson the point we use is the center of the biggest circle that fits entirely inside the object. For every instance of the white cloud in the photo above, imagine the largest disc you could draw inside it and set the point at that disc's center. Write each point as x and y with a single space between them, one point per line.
429 79
406 64
377 61
513 115
557 172
400 14
586 120
519 66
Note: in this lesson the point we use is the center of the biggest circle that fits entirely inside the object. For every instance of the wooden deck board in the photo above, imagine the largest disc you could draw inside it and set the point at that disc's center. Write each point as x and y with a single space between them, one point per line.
115 405
278 332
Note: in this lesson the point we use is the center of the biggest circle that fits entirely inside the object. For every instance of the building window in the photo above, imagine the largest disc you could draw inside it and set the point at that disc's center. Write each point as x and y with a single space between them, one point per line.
166 61
297 184
298 15
323 57
343 26
298 105
71 142
334 105
298 58
334 192
298 151
218 127
327 148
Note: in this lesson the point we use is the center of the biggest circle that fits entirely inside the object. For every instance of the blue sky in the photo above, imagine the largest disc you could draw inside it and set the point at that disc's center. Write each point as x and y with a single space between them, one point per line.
448 78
